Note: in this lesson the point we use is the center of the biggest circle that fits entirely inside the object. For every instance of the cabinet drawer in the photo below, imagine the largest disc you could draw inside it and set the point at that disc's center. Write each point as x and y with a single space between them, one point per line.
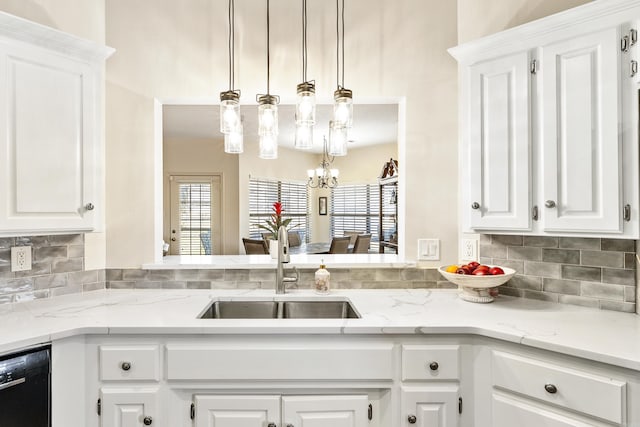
283 362
577 390
430 362
132 362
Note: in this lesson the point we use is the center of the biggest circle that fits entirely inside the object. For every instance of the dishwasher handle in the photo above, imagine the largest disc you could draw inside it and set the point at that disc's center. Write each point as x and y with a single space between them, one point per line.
12 383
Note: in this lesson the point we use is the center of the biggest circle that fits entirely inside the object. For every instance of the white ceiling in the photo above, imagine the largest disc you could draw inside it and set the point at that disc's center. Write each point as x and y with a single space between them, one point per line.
372 123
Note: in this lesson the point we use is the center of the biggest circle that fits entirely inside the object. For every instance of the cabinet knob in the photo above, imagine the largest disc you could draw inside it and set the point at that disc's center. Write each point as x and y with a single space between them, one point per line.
147 421
271 425
550 204
550 388
89 206
412 419
475 205
125 366
433 366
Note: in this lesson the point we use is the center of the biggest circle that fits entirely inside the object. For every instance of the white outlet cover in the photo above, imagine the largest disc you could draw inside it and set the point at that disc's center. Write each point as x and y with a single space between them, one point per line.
20 258
469 250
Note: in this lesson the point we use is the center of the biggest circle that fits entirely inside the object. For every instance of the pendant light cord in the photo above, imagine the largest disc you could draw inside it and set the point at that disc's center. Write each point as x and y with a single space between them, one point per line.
339 44
268 57
231 43
304 40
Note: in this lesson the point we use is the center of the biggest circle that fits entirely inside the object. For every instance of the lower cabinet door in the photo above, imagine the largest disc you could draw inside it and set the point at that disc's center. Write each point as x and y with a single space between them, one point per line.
433 406
237 410
323 411
509 412
126 407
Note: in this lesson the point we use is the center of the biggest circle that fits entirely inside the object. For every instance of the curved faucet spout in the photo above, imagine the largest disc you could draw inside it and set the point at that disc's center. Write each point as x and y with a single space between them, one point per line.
283 257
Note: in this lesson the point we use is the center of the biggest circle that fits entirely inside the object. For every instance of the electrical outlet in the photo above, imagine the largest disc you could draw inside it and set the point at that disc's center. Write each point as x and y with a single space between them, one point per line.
469 250
20 258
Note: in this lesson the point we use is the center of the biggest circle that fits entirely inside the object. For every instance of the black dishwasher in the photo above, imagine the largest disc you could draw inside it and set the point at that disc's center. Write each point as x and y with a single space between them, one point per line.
25 388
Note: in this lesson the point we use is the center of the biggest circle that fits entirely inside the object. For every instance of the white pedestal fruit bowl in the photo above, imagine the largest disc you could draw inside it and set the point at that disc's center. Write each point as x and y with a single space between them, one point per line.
476 288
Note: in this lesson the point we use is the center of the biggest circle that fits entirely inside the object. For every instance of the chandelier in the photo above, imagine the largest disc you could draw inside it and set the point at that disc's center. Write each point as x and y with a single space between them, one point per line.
324 176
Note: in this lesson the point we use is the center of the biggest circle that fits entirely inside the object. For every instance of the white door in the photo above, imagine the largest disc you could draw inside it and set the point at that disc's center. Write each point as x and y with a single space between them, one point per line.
498 191
237 411
508 412
125 407
433 406
323 411
195 224
48 138
581 159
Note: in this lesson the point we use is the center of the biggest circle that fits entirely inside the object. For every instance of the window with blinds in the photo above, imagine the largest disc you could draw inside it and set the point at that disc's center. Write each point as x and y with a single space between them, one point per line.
355 207
294 197
195 218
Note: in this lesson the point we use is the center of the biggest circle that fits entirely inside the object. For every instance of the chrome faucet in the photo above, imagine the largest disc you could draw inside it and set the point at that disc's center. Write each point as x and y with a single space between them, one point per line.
283 257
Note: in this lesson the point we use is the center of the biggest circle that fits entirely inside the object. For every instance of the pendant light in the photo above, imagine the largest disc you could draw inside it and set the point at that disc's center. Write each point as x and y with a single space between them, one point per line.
306 96
230 118
338 136
342 97
268 114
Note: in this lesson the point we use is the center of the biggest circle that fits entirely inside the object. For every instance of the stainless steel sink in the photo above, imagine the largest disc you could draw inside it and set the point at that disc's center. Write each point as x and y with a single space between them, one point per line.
241 310
285 309
318 310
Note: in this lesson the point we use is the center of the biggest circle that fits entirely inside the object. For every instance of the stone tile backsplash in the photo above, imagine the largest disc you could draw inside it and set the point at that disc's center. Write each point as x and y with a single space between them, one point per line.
57 268
598 273
591 272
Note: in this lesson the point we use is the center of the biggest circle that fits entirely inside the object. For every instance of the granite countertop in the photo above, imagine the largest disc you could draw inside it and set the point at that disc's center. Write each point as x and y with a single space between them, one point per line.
605 336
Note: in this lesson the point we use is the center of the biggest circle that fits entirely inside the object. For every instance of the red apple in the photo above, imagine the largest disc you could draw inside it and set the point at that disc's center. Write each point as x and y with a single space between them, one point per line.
463 270
481 272
496 271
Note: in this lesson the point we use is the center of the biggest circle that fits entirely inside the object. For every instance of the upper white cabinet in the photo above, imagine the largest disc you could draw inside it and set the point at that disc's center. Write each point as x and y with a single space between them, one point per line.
51 130
499 159
581 145
548 133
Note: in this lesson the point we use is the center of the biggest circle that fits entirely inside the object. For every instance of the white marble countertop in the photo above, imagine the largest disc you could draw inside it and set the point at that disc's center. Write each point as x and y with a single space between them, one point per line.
605 336
299 261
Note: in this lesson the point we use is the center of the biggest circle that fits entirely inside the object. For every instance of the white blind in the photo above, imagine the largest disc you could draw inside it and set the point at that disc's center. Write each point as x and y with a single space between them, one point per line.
355 207
294 197
195 218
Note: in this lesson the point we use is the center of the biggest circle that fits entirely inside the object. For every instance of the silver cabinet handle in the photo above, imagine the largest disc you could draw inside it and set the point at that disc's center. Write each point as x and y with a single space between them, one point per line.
627 213
125 366
550 388
89 206
550 204
412 419
147 421
475 205
434 366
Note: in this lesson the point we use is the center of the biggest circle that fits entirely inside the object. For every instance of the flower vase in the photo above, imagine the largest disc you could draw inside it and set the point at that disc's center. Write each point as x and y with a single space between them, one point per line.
273 248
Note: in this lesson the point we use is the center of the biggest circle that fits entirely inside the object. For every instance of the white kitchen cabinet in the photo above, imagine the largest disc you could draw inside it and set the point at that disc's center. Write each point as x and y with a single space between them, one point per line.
548 127
236 410
499 156
321 411
430 406
128 407
51 130
581 168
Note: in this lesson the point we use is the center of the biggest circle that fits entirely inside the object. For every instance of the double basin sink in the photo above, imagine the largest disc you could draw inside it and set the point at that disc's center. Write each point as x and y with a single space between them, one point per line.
284 309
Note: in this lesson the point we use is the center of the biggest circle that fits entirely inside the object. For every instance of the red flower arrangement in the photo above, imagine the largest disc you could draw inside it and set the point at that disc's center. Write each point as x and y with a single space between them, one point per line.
274 223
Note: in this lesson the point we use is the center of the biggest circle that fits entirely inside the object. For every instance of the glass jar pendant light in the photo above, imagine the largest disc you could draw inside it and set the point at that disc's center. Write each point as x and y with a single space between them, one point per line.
230 117
306 96
338 136
342 97
268 114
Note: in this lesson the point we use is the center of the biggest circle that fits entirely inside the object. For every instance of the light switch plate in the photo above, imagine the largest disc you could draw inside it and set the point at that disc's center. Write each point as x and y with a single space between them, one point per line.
20 258
428 249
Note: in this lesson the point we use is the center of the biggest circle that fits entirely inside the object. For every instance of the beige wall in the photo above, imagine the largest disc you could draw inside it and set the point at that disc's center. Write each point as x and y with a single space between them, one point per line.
393 49
498 15
205 157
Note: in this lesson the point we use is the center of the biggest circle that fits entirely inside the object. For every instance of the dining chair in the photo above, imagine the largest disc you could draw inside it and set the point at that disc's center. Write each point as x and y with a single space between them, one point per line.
353 235
267 235
255 246
294 238
362 244
339 245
